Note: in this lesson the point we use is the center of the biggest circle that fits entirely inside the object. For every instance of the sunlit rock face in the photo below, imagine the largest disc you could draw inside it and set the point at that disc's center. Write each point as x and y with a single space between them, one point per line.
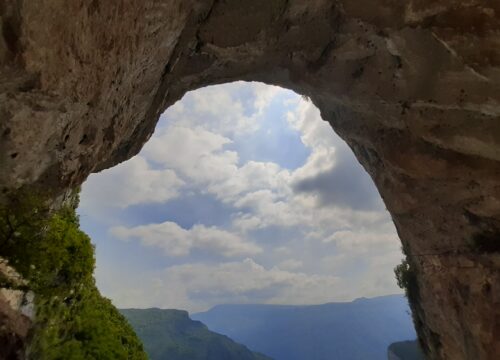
412 86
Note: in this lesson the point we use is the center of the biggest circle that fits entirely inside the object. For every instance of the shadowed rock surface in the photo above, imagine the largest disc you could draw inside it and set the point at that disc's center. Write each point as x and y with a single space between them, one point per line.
412 86
405 350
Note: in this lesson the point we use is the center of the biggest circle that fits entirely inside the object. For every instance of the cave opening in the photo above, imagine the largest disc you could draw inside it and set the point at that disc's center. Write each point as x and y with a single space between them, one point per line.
243 195
412 88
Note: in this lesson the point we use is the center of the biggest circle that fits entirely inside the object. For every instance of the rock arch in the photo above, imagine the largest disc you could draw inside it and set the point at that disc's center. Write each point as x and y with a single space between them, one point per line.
412 86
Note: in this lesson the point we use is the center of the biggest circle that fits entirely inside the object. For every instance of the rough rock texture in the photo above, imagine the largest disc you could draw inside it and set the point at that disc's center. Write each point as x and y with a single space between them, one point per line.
413 86
16 311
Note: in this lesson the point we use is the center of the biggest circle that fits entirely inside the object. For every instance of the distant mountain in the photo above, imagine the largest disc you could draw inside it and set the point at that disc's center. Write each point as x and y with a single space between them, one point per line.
358 330
405 350
172 335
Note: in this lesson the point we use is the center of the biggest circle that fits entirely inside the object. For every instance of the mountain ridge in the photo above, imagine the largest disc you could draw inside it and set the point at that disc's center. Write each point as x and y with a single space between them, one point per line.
356 330
171 334
355 300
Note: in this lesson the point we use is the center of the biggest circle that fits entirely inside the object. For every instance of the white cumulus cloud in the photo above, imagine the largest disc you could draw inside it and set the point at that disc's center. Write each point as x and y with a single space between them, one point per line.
130 183
176 241
197 287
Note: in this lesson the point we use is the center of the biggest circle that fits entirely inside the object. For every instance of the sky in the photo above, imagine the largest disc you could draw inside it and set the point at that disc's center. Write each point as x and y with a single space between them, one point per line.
242 195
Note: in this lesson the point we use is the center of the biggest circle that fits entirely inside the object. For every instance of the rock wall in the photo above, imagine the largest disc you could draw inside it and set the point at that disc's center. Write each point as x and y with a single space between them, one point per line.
412 86
16 313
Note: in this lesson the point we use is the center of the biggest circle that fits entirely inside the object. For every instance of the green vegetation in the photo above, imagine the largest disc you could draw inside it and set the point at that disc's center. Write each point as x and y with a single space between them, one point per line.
406 276
407 279
172 335
73 321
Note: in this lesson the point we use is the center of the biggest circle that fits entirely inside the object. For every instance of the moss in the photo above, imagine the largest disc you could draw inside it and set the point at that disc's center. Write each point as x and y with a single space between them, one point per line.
73 321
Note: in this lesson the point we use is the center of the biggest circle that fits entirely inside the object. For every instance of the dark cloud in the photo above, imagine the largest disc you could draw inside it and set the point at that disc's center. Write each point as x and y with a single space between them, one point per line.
346 185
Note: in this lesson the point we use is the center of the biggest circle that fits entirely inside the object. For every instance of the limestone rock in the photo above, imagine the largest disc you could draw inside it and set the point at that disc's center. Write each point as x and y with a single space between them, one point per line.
16 313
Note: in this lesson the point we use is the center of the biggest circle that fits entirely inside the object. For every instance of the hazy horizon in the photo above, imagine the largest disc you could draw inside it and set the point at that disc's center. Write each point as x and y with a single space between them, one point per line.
259 304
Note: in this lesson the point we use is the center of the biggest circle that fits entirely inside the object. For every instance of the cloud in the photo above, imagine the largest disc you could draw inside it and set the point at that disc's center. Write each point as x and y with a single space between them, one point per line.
197 287
366 269
362 240
315 132
346 184
130 183
251 177
195 153
291 264
198 156
176 241
230 110
332 173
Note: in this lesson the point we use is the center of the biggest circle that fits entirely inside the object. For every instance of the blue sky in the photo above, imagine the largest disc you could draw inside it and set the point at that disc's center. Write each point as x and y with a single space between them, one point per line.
242 195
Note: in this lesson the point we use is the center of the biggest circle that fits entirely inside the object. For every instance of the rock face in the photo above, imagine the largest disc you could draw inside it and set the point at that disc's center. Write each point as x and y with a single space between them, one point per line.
16 313
412 86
